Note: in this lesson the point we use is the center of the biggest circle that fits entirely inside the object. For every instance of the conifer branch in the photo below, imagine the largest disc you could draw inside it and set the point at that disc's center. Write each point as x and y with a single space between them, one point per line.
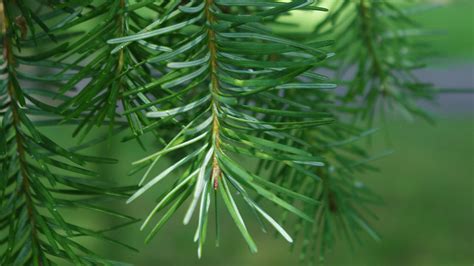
38 175
228 108
345 199
239 109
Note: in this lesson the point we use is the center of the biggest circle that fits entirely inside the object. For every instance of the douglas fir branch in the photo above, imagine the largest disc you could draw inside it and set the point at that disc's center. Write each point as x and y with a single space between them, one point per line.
240 113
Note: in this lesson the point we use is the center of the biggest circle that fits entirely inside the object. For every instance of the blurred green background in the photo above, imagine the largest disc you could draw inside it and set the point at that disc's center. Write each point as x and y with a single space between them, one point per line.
427 185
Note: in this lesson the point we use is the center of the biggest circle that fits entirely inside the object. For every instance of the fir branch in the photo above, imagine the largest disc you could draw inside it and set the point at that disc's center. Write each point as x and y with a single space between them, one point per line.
225 114
39 176
363 41
239 110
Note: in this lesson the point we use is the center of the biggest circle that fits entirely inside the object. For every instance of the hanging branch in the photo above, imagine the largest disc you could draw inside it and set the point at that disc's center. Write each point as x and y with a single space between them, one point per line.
39 178
371 37
215 90
237 108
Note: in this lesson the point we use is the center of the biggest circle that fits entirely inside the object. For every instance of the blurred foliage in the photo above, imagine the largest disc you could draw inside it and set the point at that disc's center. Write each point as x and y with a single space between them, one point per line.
454 21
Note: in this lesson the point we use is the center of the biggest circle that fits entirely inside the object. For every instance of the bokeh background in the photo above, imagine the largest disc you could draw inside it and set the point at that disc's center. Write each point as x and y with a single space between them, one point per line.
427 184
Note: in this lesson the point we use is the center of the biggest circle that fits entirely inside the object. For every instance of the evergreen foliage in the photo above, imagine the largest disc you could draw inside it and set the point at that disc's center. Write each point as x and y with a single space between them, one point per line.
243 112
